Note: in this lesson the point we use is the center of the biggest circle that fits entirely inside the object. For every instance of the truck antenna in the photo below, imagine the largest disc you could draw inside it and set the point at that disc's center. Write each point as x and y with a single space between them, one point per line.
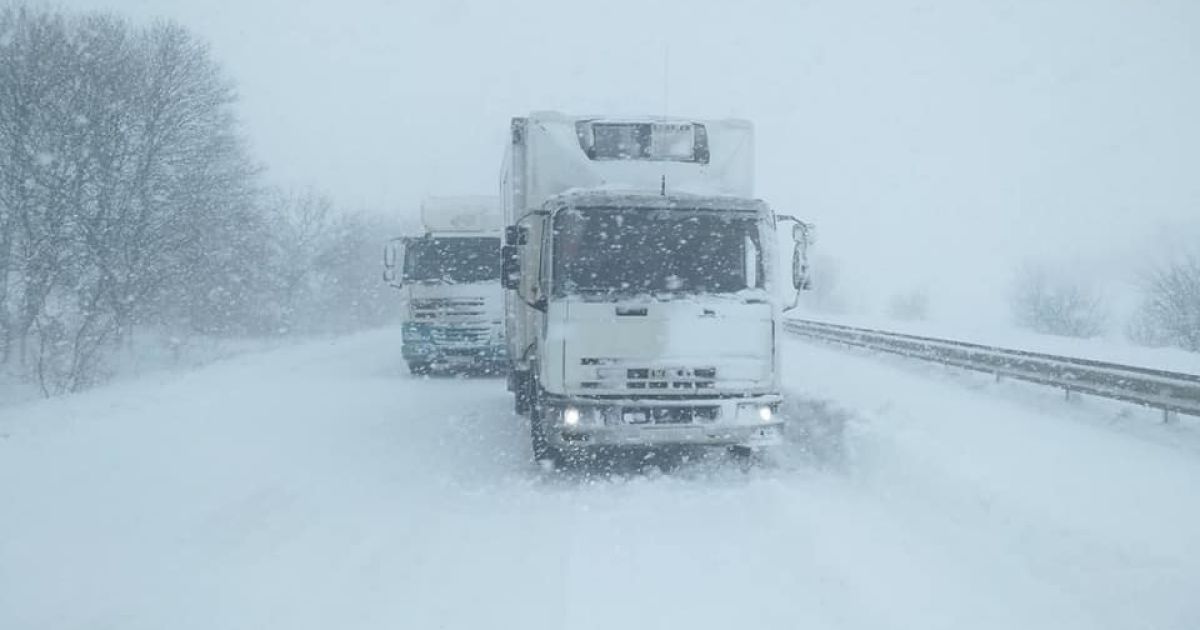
666 79
666 102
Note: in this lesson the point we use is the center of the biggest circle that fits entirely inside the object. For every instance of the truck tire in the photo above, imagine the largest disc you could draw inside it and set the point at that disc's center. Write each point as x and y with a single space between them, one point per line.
418 368
521 392
743 457
542 450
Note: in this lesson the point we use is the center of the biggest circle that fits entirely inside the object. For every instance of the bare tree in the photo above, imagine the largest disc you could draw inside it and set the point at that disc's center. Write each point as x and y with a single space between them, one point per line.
127 200
302 226
350 295
121 162
1056 304
323 264
182 167
1170 310
37 187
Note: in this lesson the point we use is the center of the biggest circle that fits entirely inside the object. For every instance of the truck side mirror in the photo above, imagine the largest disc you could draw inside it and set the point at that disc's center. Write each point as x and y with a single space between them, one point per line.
389 256
803 234
510 267
393 251
800 278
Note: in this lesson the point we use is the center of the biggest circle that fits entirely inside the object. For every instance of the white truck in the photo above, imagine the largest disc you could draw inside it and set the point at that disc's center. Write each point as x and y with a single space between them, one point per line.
450 279
640 307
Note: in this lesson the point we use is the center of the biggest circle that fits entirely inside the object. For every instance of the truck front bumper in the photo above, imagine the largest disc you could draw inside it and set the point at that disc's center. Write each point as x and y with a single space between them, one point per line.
422 342
744 421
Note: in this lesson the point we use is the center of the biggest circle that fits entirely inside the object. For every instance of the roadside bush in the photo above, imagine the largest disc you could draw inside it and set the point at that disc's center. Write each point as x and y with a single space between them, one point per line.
1170 310
1056 304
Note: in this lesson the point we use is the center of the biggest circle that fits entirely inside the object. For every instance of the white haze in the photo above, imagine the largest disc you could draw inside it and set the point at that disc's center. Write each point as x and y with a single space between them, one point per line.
936 144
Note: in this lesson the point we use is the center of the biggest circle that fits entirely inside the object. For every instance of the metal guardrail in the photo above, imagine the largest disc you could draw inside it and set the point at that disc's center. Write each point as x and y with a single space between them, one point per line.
1172 392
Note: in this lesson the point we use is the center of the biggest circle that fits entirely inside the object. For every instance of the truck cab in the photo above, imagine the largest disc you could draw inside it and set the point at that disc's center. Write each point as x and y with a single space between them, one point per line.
453 306
639 315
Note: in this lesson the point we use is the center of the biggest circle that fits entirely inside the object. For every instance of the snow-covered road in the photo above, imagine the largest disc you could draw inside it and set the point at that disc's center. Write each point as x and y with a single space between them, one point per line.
320 487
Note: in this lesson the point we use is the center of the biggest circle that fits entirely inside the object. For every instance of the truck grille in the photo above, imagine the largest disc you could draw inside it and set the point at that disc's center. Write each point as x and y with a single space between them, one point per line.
429 309
460 335
668 415
652 379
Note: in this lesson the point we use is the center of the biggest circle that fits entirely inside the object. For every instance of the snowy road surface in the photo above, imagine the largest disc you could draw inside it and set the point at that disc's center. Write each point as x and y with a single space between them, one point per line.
320 487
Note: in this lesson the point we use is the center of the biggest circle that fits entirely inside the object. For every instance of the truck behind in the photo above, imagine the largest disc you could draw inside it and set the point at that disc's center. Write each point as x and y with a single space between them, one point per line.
453 317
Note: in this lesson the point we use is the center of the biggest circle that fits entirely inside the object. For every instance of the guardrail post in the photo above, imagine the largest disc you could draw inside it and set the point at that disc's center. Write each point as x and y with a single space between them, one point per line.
1069 394
1169 417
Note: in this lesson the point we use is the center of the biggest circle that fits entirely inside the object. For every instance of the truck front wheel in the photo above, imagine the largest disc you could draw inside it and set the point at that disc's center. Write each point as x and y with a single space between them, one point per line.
521 392
542 450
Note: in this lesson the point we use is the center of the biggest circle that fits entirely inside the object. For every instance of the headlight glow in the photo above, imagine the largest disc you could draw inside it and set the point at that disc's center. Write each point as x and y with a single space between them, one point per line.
765 414
571 416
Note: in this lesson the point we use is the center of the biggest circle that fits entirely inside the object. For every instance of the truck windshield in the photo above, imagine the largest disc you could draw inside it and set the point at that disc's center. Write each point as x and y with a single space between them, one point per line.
452 260
605 253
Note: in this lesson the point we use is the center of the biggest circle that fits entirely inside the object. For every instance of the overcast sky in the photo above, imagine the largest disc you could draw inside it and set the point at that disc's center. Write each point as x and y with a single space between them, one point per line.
934 143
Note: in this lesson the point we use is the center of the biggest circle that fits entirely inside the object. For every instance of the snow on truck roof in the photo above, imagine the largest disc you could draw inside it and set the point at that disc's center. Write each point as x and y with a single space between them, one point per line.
607 198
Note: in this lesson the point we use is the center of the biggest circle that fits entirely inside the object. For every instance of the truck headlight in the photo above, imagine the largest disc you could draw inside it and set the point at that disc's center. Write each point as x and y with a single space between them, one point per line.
571 416
749 413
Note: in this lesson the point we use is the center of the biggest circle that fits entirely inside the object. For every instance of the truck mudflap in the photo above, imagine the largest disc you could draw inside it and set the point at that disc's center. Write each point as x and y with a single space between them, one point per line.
750 421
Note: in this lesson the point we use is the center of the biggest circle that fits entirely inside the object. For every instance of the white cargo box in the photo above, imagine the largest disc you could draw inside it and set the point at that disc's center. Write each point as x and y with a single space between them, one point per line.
552 153
461 214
